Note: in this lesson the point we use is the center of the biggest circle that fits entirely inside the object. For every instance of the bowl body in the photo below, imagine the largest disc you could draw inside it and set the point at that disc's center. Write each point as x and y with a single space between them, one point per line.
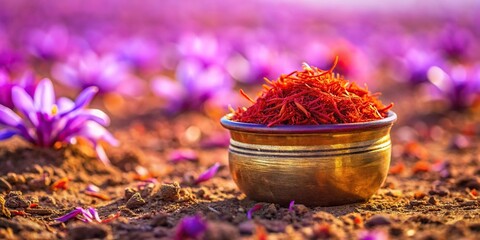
321 165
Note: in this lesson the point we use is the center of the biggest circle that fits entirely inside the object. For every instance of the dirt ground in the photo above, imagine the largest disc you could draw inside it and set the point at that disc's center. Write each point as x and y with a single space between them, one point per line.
430 193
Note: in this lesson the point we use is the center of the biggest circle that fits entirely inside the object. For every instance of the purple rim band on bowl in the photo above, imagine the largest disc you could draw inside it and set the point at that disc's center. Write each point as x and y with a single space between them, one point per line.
252 127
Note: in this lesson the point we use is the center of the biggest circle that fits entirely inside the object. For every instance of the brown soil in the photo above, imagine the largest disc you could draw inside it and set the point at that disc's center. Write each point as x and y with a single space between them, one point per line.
430 193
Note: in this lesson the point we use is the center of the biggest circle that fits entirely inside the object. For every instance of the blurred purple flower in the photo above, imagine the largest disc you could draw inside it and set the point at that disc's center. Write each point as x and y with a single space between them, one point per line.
49 44
10 59
105 72
203 47
183 155
45 120
455 42
138 52
417 63
27 82
190 228
208 174
458 87
196 84
254 209
372 235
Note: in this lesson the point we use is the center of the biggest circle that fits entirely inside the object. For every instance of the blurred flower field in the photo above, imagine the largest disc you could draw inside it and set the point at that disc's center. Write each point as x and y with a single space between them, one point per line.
158 75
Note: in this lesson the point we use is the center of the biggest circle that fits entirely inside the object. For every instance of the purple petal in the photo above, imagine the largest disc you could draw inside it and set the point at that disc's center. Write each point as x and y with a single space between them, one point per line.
373 235
7 133
92 188
64 105
208 174
70 215
183 155
44 97
102 155
165 87
24 103
94 213
290 206
255 208
190 228
85 97
9 118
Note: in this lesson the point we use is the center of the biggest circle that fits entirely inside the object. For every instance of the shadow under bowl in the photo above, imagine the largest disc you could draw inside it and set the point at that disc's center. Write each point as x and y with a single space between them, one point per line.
315 165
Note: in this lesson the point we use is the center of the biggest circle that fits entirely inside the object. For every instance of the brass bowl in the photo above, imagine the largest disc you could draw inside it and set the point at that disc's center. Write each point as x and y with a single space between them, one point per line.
316 165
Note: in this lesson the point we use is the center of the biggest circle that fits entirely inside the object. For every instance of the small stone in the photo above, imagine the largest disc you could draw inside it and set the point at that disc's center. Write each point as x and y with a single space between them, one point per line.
378 220
419 195
40 211
37 169
394 193
147 190
80 231
12 178
160 219
474 227
5 185
432 201
3 210
48 201
16 200
300 209
129 193
415 203
169 192
469 182
135 201
271 211
468 203
39 183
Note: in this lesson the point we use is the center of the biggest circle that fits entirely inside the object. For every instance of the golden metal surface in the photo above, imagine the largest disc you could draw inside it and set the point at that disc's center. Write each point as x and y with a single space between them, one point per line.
315 168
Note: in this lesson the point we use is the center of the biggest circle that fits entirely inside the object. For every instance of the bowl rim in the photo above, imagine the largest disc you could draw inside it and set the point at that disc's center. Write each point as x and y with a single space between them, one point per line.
338 127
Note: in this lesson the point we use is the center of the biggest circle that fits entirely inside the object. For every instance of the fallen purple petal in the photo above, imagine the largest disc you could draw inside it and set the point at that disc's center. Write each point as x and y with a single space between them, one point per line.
190 228
180 155
208 174
254 209
92 188
70 215
291 205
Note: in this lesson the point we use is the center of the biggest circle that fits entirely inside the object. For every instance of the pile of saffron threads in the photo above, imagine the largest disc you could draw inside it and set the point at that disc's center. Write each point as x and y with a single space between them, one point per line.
311 97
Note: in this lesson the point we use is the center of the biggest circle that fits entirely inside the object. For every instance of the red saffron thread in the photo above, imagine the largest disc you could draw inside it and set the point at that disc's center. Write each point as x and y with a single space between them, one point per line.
311 97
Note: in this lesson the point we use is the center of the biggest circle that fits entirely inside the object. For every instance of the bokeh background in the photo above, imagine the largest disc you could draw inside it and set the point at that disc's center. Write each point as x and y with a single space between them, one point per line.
195 55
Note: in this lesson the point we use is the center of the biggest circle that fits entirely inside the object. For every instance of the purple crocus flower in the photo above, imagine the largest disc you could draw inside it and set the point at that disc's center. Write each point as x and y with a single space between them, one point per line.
190 228
208 174
197 83
459 85
417 63
49 44
455 42
27 82
138 52
45 120
106 72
